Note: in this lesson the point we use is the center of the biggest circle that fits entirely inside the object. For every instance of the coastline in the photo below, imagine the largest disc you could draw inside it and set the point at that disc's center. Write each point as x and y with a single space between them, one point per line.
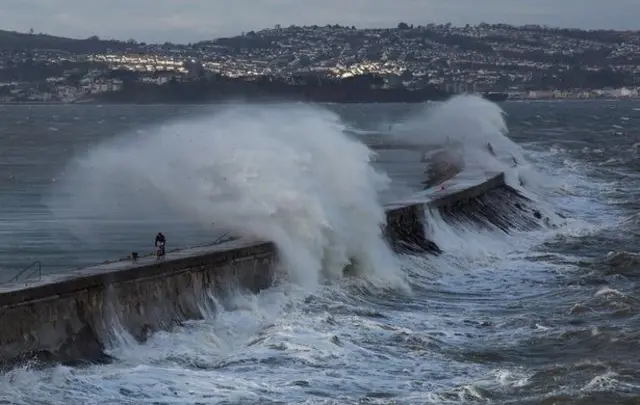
94 102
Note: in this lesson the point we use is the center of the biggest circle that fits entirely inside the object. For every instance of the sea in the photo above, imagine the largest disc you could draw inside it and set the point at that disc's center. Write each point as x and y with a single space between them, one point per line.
542 317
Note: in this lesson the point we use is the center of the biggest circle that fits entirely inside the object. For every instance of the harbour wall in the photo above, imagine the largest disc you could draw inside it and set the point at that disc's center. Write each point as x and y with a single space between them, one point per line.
70 317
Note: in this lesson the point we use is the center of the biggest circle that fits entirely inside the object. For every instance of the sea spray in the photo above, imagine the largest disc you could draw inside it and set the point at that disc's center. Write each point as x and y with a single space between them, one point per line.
284 172
495 303
466 125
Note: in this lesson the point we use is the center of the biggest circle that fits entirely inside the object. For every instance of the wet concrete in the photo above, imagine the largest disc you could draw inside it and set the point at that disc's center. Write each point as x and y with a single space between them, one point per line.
71 316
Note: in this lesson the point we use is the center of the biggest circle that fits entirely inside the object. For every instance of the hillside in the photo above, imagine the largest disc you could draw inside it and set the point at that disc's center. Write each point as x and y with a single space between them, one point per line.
17 41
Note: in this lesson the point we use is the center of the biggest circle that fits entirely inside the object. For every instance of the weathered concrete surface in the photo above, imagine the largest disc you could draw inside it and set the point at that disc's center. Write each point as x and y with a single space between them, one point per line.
487 202
406 222
405 229
67 317
500 207
490 203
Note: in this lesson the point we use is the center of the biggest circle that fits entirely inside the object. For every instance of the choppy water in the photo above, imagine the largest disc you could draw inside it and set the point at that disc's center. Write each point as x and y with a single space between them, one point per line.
543 317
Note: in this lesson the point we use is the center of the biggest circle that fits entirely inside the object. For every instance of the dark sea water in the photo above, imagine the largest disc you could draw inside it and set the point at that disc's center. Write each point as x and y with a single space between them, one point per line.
545 317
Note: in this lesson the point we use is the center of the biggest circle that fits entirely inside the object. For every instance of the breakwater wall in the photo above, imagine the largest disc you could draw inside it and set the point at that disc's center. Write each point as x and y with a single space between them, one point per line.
70 317
459 198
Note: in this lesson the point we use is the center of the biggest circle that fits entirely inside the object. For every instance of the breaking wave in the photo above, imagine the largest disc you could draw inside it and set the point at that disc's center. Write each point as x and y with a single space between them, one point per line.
484 322
464 127
284 173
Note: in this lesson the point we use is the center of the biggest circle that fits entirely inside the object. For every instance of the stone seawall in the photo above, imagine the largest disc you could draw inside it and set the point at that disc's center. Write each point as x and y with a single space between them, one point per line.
468 192
71 316
406 221
405 229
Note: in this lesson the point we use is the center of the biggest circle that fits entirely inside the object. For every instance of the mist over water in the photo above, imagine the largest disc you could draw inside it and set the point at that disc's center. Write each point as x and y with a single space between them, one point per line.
522 318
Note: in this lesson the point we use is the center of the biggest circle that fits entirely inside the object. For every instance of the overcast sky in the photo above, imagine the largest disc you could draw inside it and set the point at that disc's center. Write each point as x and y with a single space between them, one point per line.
193 20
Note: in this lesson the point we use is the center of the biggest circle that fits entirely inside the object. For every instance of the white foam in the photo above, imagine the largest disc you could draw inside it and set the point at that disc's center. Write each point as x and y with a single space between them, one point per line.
287 344
466 125
285 173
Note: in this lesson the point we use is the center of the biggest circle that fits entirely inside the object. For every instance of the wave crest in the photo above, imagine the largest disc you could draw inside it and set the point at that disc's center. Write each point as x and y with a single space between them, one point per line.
464 126
285 173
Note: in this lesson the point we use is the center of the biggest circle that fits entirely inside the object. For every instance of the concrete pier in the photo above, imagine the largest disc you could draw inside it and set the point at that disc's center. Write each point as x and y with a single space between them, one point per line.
70 316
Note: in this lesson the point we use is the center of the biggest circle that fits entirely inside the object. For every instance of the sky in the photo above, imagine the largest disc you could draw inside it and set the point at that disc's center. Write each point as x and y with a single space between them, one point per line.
185 21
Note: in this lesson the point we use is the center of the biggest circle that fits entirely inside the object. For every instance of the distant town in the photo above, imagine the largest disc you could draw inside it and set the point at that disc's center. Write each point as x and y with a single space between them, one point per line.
326 63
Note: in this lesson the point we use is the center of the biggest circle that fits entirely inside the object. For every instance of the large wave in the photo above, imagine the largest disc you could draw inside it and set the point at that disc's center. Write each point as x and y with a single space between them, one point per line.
288 174
464 126
285 173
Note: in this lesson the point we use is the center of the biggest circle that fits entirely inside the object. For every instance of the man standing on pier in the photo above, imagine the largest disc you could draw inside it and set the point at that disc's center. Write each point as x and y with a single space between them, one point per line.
160 242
